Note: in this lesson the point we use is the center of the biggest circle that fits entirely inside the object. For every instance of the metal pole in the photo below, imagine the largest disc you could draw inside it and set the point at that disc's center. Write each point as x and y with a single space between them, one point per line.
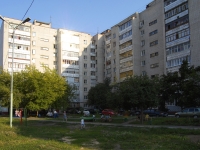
11 87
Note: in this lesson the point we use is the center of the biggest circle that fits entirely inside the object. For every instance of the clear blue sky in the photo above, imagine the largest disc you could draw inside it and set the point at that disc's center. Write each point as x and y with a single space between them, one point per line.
81 15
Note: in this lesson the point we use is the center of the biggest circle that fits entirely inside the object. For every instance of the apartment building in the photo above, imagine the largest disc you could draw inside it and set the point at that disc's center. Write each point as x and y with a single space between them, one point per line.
71 53
152 42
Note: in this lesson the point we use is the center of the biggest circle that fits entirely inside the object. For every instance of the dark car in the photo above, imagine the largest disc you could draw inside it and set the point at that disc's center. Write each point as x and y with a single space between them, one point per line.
155 112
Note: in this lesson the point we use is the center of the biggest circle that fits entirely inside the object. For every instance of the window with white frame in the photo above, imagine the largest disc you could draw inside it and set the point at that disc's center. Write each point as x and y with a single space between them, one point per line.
143 53
143 63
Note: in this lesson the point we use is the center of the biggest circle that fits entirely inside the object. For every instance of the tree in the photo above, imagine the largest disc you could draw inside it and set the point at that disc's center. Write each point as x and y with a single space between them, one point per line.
140 92
98 95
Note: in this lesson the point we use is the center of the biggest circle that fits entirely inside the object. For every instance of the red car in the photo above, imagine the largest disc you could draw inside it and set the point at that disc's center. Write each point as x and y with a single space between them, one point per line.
108 112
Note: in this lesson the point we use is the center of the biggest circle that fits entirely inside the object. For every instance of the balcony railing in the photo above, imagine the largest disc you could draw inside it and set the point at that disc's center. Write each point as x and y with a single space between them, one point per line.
174 4
125 49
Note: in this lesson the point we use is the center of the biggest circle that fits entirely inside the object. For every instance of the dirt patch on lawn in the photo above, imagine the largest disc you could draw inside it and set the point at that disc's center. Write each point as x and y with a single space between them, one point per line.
194 138
67 140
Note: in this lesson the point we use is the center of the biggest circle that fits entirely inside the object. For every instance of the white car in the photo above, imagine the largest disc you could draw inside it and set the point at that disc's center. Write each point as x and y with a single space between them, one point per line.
86 112
49 114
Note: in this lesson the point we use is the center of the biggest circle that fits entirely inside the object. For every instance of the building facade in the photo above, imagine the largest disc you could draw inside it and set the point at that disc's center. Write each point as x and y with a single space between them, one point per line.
152 42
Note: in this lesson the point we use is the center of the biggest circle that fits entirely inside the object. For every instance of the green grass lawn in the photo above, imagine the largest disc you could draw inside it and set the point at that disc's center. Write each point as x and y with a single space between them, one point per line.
50 135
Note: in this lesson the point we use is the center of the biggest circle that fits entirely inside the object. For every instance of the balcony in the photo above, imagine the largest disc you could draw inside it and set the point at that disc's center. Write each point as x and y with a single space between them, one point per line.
123 69
185 26
92 54
178 55
70 66
125 30
125 40
70 58
173 69
21 61
17 41
93 69
19 32
20 51
92 46
179 41
108 41
70 75
126 59
174 4
176 16
92 77
126 49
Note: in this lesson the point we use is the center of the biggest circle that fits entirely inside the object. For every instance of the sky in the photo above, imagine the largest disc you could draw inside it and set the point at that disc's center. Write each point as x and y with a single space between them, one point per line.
90 16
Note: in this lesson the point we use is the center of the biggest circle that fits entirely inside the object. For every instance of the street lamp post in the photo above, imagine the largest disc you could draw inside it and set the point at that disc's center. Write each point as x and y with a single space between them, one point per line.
11 84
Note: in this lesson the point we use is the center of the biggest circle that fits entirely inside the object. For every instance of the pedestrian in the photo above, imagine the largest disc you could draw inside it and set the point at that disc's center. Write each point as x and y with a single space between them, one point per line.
82 124
64 116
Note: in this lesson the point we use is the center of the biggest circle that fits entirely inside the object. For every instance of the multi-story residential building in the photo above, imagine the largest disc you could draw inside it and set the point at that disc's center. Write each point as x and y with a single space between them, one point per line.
152 42
71 53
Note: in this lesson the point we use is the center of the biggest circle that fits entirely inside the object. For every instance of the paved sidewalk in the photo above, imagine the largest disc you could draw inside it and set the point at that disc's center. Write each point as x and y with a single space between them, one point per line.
125 124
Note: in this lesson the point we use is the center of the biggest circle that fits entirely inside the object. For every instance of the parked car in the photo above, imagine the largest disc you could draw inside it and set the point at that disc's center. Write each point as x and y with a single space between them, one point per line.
86 112
155 112
108 112
189 112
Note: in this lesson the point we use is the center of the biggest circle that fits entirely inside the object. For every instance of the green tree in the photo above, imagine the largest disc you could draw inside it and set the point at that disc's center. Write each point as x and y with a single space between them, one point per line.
39 89
140 92
98 95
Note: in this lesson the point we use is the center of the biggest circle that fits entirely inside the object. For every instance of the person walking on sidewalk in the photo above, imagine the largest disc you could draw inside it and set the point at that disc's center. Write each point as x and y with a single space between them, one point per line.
82 124
64 116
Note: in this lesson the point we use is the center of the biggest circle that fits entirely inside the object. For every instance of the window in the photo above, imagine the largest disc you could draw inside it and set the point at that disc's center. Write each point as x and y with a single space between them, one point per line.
142 32
141 23
142 52
55 46
45 40
178 35
114 69
44 48
154 43
154 65
85 73
33 52
85 49
85 41
178 48
92 50
44 56
85 97
153 22
85 89
176 10
76 80
144 73
154 54
85 57
85 81
143 63
34 33
114 35
33 43
92 73
125 25
153 32
85 65
92 57
92 65
142 43
125 35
